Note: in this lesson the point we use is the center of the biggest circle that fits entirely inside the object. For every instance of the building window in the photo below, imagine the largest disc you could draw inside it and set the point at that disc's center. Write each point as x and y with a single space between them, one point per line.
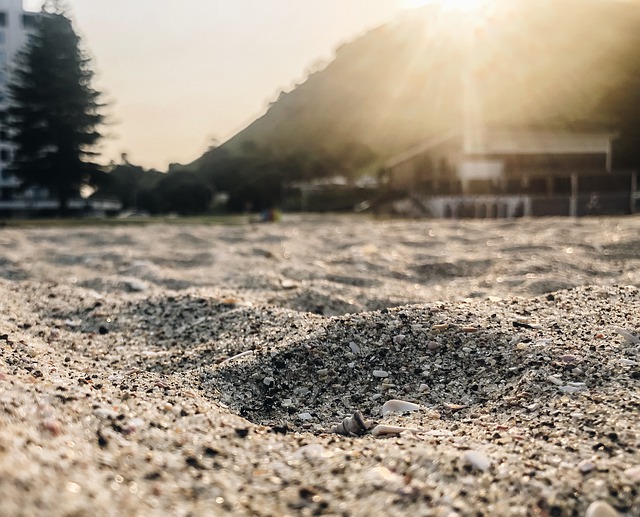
3 19
4 135
5 155
28 21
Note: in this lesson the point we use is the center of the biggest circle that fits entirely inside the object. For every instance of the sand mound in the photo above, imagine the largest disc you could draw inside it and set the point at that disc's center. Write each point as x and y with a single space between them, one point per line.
196 370
500 357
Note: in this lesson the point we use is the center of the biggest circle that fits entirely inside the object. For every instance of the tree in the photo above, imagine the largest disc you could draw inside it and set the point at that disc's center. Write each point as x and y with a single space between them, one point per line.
54 113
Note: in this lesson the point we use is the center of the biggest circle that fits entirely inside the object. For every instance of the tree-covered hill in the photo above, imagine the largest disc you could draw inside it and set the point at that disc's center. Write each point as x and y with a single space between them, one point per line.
521 61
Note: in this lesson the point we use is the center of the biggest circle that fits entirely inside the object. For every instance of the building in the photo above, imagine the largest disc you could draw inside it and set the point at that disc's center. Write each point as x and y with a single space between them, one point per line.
15 24
511 172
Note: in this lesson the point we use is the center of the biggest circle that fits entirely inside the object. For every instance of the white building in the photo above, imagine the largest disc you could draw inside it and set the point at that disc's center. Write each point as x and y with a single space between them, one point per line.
15 24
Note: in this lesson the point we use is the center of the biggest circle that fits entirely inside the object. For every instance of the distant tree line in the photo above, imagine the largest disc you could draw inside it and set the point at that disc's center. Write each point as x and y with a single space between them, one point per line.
254 179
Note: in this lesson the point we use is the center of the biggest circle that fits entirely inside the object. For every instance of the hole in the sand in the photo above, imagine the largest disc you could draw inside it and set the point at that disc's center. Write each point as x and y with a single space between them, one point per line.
357 362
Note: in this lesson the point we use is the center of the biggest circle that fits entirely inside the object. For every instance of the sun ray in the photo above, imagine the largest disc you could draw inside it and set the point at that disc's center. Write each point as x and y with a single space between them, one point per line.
454 5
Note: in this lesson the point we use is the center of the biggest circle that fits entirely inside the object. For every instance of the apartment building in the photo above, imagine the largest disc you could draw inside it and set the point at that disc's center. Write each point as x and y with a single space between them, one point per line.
15 24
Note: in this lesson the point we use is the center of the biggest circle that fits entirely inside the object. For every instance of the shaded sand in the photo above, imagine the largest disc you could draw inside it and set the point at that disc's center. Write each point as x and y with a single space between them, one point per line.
194 370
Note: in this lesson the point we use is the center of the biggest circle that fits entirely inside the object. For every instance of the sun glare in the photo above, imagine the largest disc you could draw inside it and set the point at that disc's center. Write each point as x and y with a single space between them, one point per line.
457 5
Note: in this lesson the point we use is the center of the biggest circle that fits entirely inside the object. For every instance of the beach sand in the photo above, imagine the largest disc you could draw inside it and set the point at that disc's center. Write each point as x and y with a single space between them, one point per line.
199 370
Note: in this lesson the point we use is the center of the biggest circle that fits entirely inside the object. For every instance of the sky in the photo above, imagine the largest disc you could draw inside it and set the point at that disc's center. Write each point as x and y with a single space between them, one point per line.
180 75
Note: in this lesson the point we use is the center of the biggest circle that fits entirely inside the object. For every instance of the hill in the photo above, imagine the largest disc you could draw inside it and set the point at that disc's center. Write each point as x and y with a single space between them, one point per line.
514 62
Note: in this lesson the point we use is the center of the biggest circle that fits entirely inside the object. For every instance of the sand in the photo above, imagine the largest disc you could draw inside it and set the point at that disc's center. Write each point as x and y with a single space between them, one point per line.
199 370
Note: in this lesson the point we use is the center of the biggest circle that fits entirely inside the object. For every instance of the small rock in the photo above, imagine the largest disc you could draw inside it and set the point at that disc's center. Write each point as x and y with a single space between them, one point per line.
633 474
305 416
399 339
380 373
586 466
433 345
312 452
571 389
354 347
423 387
477 459
382 477
268 381
600 509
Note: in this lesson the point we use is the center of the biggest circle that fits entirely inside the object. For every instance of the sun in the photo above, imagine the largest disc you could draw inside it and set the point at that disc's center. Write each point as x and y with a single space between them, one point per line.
454 5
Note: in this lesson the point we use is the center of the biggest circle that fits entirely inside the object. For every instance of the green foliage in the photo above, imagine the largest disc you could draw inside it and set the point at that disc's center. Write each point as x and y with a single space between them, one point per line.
127 182
180 192
54 113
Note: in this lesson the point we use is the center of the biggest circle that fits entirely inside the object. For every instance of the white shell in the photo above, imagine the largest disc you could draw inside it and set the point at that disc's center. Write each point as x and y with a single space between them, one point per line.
398 406
390 429
630 338
600 509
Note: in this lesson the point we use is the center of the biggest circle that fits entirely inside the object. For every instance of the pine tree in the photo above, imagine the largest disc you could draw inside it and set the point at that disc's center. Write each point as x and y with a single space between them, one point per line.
54 114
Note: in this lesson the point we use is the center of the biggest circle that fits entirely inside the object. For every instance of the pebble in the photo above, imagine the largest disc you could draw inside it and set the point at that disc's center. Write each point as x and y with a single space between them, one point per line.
105 413
313 452
268 381
399 339
382 477
380 373
433 345
586 466
628 362
354 347
633 474
600 509
555 380
477 459
571 389
569 358
305 416
423 387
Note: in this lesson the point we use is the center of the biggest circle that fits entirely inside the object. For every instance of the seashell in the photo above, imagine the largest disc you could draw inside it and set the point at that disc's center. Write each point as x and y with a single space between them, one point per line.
237 356
600 509
382 429
354 425
628 336
398 406
441 327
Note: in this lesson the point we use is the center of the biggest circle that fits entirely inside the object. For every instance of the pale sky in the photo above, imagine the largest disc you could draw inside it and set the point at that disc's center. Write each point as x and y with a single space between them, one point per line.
180 73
